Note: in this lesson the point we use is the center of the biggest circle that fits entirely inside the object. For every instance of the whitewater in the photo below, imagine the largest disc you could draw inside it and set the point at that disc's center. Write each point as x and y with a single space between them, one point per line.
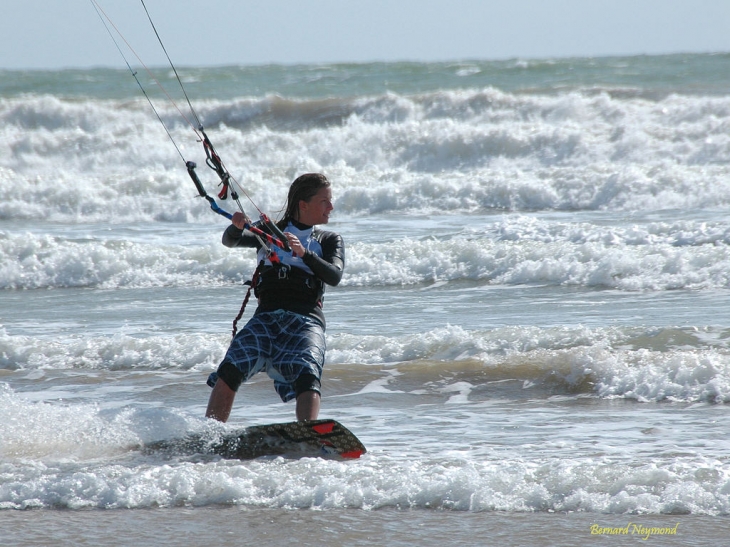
531 335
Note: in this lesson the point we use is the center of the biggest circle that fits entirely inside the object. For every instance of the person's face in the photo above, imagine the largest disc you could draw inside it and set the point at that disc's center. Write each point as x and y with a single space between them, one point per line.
317 210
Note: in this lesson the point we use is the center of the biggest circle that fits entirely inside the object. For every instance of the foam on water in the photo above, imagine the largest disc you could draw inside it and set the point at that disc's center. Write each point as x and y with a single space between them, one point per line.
511 251
118 352
531 317
31 261
448 151
76 456
462 486
634 363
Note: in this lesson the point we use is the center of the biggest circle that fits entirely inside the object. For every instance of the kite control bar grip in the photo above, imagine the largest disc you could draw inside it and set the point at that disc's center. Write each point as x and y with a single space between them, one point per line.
278 238
272 240
193 175
203 194
276 231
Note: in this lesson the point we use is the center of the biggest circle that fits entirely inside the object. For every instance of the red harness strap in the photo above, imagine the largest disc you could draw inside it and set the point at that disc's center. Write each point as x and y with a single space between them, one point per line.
274 259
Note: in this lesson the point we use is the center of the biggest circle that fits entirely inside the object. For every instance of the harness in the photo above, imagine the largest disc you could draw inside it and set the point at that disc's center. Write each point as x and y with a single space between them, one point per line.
283 276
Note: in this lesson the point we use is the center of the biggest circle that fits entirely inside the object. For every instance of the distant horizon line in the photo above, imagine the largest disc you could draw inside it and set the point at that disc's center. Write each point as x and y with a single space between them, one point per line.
463 60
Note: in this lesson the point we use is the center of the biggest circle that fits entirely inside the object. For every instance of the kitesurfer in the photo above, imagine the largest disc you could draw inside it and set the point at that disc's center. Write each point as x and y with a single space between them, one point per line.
285 336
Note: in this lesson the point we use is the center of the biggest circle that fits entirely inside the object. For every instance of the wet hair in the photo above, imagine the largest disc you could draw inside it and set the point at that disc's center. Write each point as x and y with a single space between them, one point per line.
304 188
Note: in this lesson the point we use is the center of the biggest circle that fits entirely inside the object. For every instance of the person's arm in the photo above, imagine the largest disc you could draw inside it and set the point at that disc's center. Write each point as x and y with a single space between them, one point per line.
330 267
234 235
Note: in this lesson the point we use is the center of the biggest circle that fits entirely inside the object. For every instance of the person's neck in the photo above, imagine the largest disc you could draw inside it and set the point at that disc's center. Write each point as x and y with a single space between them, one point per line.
299 225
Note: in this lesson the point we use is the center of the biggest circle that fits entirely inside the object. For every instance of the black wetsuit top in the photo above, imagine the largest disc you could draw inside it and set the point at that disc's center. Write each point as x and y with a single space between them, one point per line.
297 284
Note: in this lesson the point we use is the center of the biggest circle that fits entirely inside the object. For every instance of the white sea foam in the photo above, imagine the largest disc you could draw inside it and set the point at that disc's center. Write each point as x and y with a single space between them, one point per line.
30 261
120 352
586 363
497 483
446 151
531 318
73 454
511 251
567 360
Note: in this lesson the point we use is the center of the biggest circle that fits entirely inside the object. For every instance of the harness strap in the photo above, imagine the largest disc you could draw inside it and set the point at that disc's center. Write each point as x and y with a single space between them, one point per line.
251 286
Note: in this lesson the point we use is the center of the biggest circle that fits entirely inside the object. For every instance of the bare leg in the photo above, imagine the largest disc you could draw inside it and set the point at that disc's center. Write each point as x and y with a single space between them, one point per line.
308 406
220 402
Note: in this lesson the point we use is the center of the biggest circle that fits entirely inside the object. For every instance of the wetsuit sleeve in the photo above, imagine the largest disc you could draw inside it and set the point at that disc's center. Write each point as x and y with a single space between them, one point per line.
233 237
330 267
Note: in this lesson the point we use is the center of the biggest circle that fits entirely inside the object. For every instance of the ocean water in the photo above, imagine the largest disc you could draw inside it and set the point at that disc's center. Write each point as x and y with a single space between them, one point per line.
532 336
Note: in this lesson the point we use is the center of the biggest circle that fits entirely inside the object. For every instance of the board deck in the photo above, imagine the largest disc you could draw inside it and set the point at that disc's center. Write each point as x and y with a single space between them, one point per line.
321 438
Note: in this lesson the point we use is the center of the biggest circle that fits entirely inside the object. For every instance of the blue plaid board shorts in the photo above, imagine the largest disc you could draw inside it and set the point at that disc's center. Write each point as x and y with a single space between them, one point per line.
282 343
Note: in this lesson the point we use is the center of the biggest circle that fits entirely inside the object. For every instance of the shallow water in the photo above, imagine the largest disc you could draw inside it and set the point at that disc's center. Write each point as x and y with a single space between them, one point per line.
229 526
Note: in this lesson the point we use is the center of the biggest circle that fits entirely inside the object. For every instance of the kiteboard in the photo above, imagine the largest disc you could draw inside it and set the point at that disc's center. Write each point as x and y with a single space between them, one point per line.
316 438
